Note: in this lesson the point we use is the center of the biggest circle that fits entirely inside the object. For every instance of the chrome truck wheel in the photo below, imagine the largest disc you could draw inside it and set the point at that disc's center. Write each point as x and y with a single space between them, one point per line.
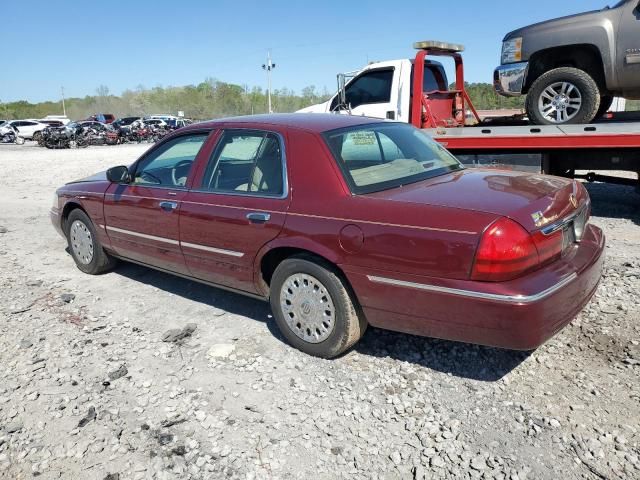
563 96
560 102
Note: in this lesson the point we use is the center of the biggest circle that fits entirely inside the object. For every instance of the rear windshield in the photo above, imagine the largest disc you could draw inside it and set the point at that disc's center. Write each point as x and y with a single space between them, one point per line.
387 155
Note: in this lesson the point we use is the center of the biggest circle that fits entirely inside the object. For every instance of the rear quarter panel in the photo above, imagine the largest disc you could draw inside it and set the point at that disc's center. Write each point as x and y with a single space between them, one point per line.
360 233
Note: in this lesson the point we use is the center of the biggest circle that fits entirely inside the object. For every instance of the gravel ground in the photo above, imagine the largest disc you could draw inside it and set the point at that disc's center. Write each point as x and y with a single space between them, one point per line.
89 389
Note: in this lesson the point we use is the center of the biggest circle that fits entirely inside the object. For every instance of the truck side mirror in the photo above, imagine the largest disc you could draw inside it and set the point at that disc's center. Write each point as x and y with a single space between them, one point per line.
342 93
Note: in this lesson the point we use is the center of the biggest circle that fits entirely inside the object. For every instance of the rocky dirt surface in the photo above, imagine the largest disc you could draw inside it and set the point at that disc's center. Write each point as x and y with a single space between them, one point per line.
139 375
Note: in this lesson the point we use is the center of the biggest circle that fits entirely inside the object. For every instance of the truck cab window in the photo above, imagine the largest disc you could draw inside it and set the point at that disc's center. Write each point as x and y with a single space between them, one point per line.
434 79
370 87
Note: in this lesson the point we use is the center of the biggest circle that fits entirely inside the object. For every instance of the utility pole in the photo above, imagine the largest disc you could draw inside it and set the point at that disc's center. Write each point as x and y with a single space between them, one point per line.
64 110
268 67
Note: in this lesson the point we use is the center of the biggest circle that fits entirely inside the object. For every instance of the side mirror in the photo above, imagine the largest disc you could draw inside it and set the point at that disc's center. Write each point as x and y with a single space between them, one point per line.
118 174
342 94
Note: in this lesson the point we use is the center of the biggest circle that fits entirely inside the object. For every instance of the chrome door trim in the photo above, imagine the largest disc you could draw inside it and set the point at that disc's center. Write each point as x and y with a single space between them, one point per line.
143 235
475 294
212 249
196 246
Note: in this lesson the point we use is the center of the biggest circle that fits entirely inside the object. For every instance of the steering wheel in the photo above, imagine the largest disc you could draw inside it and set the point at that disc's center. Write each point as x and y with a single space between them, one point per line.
180 178
147 177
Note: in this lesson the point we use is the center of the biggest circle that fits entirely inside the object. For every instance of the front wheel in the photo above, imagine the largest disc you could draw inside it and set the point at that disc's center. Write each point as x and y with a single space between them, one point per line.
314 308
563 96
84 245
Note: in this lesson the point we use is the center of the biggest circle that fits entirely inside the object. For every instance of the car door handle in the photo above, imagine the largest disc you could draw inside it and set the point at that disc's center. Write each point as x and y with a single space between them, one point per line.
258 217
168 206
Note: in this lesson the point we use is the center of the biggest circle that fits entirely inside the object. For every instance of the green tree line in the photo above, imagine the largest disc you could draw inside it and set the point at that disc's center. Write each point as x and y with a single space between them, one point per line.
214 99
209 99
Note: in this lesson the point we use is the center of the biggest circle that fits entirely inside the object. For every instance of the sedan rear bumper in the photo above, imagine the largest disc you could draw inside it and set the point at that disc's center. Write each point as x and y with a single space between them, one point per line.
521 314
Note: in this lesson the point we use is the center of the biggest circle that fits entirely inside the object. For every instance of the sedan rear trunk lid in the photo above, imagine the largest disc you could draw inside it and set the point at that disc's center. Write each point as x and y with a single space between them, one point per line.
534 201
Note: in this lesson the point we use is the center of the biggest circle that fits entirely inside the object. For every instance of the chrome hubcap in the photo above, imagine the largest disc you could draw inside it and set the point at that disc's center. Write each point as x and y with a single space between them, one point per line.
81 242
560 102
308 308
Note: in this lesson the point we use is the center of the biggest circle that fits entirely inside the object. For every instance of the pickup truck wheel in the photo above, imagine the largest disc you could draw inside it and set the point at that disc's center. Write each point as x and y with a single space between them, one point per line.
562 96
314 309
84 245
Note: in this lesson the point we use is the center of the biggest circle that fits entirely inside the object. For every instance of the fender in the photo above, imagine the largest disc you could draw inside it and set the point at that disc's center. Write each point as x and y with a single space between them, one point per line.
299 242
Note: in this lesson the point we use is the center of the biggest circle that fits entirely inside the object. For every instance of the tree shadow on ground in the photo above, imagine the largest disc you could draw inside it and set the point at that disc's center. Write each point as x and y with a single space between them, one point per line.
458 359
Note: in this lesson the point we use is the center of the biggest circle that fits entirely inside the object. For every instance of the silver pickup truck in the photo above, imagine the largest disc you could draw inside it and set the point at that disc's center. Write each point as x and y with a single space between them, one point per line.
570 68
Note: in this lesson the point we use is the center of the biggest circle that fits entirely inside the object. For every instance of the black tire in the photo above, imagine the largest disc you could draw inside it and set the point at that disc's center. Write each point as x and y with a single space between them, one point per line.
348 323
582 81
101 261
37 136
605 104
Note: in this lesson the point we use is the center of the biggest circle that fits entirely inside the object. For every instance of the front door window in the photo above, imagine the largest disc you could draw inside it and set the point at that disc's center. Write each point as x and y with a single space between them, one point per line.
170 164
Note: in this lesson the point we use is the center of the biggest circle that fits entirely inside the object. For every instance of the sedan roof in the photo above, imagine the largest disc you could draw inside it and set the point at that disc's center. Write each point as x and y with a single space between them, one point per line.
315 122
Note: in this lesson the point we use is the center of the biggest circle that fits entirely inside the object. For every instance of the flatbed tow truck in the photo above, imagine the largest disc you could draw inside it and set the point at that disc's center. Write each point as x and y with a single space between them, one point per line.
416 91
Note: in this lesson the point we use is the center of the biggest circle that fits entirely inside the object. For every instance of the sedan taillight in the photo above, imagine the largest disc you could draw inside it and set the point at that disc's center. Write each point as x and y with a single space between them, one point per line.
507 250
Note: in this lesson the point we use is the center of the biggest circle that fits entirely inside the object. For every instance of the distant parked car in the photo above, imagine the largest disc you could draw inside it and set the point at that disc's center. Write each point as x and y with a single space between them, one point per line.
99 126
124 121
176 123
156 122
51 123
29 129
58 118
362 221
102 117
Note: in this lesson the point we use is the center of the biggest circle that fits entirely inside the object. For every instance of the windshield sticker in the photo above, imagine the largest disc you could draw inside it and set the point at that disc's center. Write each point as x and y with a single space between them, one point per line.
363 138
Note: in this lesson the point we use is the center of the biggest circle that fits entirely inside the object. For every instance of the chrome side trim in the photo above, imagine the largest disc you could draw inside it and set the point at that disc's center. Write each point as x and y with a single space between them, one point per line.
370 222
475 294
144 235
212 249
176 242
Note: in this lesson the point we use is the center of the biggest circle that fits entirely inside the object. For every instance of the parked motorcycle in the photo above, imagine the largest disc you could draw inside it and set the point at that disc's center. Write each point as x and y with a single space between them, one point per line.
70 136
9 134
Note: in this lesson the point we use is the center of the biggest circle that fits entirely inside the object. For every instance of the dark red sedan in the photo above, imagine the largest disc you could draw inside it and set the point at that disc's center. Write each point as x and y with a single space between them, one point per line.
342 222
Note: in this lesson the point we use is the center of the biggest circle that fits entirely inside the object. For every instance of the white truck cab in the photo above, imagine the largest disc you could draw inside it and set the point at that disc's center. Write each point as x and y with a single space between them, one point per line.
382 90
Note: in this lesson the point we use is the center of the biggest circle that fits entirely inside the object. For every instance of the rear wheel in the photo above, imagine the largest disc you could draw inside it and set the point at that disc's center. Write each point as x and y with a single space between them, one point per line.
84 245
37 136
563 96
313 307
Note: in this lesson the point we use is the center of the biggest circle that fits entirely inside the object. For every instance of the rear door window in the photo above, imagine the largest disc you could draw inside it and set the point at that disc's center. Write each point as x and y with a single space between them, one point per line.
246 162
